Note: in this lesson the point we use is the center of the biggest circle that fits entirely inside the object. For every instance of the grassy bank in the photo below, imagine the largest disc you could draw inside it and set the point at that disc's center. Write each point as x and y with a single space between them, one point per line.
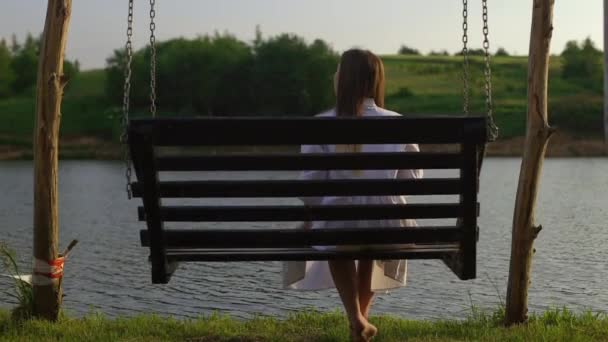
559 325
417 84
90 124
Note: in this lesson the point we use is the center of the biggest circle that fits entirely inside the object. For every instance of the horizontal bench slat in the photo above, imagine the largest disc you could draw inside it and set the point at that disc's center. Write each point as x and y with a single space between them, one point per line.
415 252
301 213
275 238
311 130
312 161
302 188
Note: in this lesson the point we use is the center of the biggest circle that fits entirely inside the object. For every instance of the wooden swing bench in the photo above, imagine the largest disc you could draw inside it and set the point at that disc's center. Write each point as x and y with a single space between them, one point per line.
455 244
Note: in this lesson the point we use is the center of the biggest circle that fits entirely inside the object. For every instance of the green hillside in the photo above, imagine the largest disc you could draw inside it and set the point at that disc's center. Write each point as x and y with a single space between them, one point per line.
415 84
434 85
85 111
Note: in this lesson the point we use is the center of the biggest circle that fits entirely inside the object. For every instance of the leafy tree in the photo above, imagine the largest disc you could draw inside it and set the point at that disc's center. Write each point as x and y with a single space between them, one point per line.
70 70
259 38
582 64
204 75
501 52
6 73
200 75
291 77
439 53
472 52
15 47
229 76
406 50
24 64
322 63
115 66
220 75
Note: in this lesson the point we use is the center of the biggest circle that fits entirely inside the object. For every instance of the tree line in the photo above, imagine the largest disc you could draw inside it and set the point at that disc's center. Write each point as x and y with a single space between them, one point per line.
406 50
582 62
221 75
19 66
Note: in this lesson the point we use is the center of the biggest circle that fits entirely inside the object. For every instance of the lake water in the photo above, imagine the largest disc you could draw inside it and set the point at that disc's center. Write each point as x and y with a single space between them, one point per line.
108 271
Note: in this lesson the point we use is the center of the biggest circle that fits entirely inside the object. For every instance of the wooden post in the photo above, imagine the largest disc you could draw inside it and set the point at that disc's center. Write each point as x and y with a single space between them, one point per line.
537 135
606 75
50 84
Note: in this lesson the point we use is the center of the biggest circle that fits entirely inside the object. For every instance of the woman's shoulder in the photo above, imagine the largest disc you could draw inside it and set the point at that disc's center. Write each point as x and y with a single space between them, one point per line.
386 112
378 111
327 113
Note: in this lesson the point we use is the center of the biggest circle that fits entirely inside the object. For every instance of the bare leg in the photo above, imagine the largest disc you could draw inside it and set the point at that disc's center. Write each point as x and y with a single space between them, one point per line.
344 274
366 295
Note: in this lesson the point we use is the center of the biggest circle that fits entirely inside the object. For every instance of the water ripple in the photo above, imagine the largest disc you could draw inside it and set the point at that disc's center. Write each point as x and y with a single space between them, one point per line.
109 272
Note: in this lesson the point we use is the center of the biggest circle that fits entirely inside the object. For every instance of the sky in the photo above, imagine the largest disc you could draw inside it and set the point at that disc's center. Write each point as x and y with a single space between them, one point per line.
98 26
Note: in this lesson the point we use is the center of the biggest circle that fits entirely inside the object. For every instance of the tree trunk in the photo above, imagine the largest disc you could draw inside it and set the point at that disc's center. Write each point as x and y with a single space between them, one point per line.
50 84
606 75
537 135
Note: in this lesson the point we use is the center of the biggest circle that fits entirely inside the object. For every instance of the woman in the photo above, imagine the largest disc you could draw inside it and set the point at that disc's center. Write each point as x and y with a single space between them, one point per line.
359 87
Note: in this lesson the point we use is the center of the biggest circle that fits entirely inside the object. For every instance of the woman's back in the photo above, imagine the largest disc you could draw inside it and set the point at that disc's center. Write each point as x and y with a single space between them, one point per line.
359 87
369 110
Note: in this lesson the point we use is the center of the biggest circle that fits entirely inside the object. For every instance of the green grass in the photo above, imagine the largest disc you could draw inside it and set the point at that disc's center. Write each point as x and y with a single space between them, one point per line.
555 325
434 85
23 293
415 84
85 112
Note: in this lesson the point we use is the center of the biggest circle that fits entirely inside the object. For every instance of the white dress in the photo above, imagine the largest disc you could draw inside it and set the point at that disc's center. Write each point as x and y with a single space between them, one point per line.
386 274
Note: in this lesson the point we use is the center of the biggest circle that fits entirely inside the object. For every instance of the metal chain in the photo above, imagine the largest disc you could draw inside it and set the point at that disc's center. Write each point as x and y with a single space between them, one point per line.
465 55
492 128
124 138
152 60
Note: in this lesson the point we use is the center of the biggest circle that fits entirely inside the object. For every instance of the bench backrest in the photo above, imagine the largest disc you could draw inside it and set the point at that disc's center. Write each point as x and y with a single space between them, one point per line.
145 135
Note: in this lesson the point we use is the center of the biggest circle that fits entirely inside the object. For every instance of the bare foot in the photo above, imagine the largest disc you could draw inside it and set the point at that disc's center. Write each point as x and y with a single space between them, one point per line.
363 331
369 332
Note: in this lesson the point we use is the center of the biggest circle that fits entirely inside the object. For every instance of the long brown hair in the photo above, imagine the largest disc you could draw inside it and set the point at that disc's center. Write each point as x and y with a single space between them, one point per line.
360 76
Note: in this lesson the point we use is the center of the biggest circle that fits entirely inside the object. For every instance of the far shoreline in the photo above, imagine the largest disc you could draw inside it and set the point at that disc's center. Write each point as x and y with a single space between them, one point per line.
562 145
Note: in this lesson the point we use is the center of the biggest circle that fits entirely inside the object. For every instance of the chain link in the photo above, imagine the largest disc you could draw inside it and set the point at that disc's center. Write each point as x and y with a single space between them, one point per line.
492 128
465 56
124 138
152 60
